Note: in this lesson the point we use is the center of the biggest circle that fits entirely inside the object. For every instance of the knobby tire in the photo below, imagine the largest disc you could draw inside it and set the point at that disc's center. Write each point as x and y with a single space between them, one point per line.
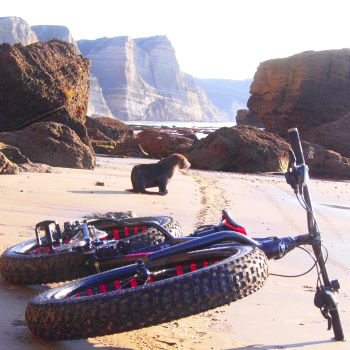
91 307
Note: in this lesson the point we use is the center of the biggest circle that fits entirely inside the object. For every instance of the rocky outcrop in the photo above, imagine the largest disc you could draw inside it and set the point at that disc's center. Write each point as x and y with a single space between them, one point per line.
227 95
240 149
160 144
111 128
43 81
141 80
334 136
15 30
306 91
6 166
325 163
51 143
97 105
245 117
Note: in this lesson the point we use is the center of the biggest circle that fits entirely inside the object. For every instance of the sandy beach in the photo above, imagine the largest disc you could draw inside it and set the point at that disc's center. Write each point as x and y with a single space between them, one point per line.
279 316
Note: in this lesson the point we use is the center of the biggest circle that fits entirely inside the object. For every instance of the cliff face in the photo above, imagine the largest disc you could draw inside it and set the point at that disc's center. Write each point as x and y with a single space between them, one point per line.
305 90
16 30
49 32
141 80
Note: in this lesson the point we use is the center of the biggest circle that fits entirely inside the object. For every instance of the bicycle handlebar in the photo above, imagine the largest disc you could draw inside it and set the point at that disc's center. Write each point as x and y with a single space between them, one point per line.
296 145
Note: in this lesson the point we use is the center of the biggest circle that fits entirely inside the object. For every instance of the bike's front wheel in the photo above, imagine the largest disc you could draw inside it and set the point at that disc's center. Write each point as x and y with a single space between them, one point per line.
131 297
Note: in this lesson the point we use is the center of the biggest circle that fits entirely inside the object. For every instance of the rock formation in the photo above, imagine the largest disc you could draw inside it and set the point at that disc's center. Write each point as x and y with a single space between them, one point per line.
51 143
227 95
325 163
141 80
245 117
160 144
97 105
334 136
43 81
240 149
15 30
6 166
305 91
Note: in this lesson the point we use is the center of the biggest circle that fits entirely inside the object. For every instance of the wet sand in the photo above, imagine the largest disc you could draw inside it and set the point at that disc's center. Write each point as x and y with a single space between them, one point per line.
279 316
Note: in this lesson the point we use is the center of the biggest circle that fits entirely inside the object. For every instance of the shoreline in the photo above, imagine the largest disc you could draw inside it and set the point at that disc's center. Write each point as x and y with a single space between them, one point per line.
280 315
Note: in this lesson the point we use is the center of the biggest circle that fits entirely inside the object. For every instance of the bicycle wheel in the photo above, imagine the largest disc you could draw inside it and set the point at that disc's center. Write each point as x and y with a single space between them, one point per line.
124 299
26 263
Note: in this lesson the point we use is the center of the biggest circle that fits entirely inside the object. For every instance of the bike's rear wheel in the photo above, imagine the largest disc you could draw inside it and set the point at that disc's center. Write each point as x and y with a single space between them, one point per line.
26 263
118 300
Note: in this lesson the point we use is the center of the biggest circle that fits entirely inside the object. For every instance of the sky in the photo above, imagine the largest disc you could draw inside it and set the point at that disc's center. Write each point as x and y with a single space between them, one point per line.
223 39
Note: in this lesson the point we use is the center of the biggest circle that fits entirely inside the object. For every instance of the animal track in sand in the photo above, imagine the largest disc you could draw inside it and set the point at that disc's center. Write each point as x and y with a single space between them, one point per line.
212 198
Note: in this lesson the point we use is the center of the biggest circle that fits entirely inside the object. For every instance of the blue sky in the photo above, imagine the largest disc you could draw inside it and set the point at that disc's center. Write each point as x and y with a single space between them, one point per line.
224 39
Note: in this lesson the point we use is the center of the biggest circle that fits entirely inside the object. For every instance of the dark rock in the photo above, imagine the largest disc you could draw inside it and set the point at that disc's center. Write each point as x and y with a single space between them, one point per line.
13 154
112 129
240 149
304 91
6 166
160 144
245 117
43 82
130 148
51 143
334 136
324 163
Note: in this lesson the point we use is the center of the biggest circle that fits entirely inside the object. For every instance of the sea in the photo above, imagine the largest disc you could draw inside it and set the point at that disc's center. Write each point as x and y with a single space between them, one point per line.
197 127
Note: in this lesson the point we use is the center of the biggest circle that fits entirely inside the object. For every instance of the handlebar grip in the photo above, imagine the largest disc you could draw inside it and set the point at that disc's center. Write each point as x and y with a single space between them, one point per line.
296 145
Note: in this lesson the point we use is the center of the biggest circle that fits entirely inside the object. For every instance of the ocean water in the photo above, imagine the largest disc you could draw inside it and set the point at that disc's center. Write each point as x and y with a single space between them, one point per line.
197 127
179 124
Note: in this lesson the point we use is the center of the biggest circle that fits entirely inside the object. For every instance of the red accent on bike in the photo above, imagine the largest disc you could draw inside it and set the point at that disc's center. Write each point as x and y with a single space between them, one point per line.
238 229
103 288
136 229
179 270
116 233
133 282
151 279
205 263
89 291
193 267
136 255
126 231
117 284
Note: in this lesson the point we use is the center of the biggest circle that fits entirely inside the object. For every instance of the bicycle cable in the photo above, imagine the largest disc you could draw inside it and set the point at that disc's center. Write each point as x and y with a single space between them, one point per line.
301 274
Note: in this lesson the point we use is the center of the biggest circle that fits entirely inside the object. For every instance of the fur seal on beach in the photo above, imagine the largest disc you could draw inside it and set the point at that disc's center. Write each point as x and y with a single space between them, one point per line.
158 174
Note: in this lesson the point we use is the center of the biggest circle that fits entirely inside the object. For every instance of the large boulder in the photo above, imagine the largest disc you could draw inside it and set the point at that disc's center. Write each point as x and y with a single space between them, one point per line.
43 82
325 163
51 143
334 136
304 91
240 149
6 166
246 117
160 144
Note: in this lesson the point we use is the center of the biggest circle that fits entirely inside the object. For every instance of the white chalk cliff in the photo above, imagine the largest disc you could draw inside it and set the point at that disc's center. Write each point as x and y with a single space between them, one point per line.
141 80
15 30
